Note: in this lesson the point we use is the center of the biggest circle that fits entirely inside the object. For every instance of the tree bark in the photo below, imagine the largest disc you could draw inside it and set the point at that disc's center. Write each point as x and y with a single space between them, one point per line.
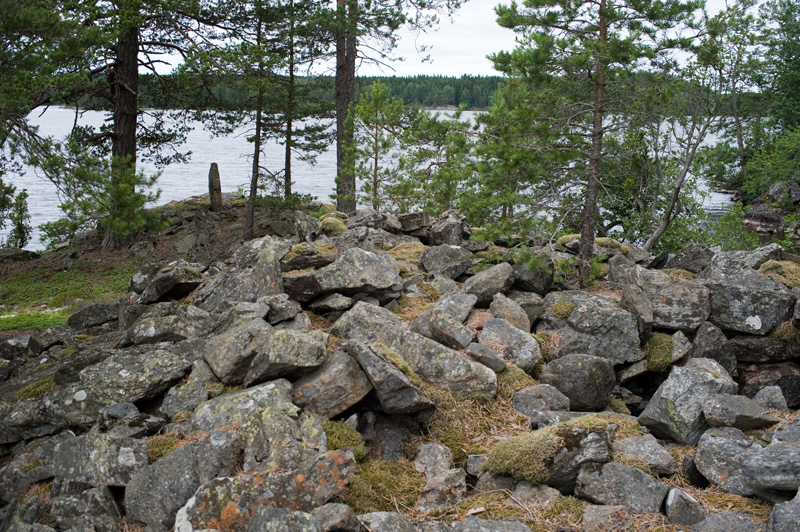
249 231
589 215
287 163
345 94
124 87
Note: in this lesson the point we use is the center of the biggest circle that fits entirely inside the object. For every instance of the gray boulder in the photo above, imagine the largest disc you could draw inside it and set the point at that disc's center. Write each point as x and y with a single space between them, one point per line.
531 303
486 356
771 398
744 300
271 519
758 349
784 517
365 217
725 410
619 484
93 509
535 276
187 322
776 467
518 347
692 258
336 517
449 229
360 272
721 453
414 221
396 393
386 522
507 309
156 492
729 522
602 518
302 489
489 282
94 315
676 410
308 255
446 320
432 361
785 375
230 354
678 304
586 323
446 260
99 459
336 386
683 509
289 354
711 342
585 379
197 389
647 450
172 281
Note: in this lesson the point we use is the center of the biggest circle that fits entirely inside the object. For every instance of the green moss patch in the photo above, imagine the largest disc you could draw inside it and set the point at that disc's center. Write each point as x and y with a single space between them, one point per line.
331 226
619 406
562 309
410 251
658 350
343 436
605 242
562 241
678 273
35 389
384 486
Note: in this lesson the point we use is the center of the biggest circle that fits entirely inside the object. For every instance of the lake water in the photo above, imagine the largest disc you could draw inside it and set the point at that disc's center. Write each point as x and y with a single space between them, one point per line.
180 181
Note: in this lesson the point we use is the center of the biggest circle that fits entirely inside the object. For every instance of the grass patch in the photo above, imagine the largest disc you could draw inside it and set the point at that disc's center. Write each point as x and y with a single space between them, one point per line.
786 333
343 436
55 287
35 389
471 423
618 405
384 486
658 351
215 389
183 415
409 251
548 344
399 362
161 445
410 308
562 309
782 271
566 511
35 320
493 505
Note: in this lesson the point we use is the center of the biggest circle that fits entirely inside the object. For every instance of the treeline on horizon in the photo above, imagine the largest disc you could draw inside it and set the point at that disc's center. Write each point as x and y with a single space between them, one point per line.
473 92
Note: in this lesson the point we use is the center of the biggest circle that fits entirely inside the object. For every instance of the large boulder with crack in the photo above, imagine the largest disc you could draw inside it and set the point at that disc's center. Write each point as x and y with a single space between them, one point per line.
447 260
519 348
744 300
230 354
288 354
589 324
619 484
676 409
721 453
489 282
333 388
433 362
678 304
99 459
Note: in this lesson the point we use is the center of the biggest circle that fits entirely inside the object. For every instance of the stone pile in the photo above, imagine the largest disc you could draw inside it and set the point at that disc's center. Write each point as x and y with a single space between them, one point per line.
234 367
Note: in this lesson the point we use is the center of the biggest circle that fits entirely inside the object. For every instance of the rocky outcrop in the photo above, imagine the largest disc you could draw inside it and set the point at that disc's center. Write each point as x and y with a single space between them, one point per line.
239 396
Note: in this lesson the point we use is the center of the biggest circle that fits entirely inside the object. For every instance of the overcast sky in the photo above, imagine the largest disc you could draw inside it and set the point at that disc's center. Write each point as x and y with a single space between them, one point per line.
460 47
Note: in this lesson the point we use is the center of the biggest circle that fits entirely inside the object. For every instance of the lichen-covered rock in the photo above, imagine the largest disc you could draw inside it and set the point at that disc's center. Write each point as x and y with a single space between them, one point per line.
447 260
518 347
129 376
256 272
332 303
156 492
784 516
711 342
99 459
281 308
271 519
534 401
432 361
534 275
386 522
446 320
678 304
721 453
531 303
172 281
227 503
308 255
646 449
336 386
744 300
230 354
676 409
94 315
585 379
449 229
396 393
758 349
336 517
692 258
776 467
301 285
186 323
771 398
95 509
413 221
725 410
486 356
588 324
729 522
489 282
619 484
444 485
197 389
360 272
289 354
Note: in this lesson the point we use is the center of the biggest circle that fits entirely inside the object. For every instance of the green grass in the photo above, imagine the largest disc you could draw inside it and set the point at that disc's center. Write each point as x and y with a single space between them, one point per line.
56 287
34 320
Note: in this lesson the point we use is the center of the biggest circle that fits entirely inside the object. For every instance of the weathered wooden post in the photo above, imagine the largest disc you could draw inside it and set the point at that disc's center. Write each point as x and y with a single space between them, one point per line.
214 188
